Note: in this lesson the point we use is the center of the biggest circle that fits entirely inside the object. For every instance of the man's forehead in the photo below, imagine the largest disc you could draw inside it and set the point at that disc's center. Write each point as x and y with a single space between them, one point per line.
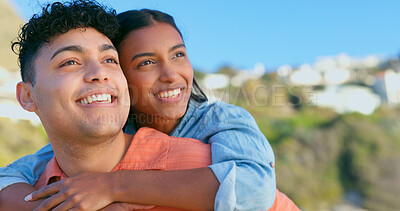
80 36
77 40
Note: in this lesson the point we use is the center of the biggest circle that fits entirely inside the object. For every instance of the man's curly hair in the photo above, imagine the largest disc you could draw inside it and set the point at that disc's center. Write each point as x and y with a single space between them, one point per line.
56 19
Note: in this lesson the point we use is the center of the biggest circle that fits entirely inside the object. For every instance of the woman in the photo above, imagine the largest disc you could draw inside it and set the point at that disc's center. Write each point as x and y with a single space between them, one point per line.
153 57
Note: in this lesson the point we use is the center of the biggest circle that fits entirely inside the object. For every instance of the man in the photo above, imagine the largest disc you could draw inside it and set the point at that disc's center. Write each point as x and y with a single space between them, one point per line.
73 82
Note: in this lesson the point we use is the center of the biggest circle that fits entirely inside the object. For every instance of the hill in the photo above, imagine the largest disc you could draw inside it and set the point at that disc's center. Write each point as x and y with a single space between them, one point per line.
9 23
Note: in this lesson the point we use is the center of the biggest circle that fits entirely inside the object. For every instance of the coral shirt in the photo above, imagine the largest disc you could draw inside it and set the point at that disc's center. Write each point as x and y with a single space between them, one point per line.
153 150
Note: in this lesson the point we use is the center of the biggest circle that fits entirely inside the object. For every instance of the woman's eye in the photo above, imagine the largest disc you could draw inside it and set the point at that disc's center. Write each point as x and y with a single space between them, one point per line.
147 62
69 62
111 60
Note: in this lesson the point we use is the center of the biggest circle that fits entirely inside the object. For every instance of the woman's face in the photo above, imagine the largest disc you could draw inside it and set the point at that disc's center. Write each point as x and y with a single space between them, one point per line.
158 71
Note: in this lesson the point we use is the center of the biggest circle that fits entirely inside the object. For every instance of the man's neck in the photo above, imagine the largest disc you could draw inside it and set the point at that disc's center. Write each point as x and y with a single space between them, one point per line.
103 157
156 122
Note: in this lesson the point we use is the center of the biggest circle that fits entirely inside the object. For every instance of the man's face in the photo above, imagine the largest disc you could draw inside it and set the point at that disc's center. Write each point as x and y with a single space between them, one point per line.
80 90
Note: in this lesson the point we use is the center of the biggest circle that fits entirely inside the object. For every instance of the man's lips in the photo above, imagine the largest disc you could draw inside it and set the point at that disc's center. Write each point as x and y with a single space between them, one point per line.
96 98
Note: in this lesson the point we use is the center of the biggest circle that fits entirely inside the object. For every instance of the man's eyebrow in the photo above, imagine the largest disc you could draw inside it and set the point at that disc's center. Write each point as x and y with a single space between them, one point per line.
75 48
106 47
176 47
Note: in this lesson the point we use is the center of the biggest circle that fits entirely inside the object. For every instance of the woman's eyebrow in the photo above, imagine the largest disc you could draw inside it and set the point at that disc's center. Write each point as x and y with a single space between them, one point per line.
152 54
141 55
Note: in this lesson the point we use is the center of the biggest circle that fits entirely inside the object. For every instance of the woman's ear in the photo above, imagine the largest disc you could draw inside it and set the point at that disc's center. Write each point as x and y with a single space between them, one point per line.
25 97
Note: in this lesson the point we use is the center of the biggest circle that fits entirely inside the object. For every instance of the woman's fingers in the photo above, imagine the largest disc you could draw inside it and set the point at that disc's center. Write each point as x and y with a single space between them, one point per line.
44 192
51 202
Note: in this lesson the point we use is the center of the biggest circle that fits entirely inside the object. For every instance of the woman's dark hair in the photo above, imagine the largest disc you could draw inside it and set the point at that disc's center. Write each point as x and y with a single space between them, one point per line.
137 19
56 19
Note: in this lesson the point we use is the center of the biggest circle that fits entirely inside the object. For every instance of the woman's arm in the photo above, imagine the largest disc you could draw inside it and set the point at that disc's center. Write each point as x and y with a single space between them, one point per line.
192 189
17 179
241 157
12 197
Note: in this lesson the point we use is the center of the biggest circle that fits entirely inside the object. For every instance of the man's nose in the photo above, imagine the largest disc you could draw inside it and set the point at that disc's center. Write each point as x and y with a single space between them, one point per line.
95 72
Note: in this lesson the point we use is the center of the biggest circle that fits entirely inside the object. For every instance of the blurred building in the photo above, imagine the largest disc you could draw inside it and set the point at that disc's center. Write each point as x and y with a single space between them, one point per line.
9 106
387 86
325 71
215 81
348 98
244 75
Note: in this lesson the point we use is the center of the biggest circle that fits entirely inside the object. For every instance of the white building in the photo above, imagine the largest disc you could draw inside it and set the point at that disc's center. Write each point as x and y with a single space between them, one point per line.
348 98
244 75
305 76
332 70
387 85
9 106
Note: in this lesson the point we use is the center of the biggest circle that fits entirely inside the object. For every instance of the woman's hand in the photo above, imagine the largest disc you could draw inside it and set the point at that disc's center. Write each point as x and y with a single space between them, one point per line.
85 191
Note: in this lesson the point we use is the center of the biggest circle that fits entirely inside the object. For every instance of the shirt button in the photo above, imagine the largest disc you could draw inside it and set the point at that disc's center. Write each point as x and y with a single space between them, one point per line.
272 164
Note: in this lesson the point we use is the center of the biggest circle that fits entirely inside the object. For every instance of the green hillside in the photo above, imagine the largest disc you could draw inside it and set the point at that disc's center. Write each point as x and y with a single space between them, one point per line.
10 23
320 155
18 139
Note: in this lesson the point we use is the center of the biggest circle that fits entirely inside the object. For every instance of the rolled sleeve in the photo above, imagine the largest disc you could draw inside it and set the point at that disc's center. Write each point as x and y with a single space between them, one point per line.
241 157
226 175
7 181
26 169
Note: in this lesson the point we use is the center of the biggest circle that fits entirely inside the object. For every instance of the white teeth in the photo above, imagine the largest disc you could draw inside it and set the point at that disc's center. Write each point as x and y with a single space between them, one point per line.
169 94
100 98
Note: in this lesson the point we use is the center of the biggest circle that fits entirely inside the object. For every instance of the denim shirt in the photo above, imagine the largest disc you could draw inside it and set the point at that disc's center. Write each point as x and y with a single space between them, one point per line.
242 157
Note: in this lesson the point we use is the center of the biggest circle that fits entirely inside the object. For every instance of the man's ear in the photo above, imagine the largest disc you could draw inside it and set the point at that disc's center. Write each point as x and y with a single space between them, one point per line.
24 96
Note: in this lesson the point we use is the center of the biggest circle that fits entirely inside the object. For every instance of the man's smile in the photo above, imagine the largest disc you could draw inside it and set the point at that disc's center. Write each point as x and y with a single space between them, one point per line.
103 97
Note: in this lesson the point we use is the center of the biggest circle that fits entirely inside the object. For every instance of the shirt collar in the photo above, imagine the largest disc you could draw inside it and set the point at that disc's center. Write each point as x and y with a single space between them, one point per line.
51 174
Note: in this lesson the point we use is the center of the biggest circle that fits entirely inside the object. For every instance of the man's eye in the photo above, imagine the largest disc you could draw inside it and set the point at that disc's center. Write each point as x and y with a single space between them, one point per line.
69 62
111 60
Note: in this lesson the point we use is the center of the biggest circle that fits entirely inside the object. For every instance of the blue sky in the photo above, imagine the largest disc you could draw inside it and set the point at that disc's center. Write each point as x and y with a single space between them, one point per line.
243 33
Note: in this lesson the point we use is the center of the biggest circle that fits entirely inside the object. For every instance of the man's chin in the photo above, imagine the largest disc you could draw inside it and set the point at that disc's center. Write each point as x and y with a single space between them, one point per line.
100 133
102 118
